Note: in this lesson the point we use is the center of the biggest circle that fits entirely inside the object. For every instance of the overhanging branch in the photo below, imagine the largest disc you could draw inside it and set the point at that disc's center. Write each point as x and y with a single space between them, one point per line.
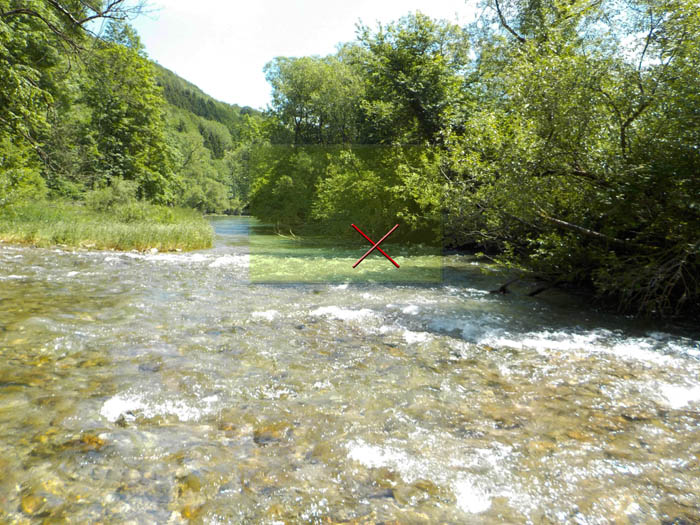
620 243
504 23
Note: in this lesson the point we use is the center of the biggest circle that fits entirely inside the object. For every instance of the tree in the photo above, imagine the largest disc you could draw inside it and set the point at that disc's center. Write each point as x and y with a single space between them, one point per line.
581 162
316 99
413 77
32 35
126 121
37 39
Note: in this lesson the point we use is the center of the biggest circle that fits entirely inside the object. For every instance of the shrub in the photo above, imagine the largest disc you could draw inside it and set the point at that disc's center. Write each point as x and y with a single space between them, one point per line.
119 192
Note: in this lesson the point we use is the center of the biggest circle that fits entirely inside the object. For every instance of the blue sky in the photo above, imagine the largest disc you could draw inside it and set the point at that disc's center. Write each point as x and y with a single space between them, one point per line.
222 45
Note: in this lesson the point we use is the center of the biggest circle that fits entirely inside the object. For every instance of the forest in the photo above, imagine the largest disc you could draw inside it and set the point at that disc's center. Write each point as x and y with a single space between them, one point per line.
557 138
561 139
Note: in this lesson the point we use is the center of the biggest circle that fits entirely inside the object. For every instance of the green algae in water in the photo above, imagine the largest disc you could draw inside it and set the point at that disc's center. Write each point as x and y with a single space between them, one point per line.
320 259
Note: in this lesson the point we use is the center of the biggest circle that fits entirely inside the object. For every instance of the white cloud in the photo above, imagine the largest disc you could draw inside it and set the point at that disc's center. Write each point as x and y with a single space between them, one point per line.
222 46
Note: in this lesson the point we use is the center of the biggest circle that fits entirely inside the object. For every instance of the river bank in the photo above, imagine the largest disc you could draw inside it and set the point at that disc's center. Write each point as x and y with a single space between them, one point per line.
134 226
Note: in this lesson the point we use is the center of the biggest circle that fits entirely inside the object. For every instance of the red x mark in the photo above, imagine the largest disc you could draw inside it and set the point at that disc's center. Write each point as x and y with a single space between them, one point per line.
375 245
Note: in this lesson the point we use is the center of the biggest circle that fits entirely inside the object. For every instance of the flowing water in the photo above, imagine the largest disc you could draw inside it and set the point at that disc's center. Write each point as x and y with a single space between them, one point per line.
158 388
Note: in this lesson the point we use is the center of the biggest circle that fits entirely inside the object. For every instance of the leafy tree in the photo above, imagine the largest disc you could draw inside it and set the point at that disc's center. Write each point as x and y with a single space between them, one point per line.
286 176
381 185
34 36
315 99
573 165
412 70
20 179
127 121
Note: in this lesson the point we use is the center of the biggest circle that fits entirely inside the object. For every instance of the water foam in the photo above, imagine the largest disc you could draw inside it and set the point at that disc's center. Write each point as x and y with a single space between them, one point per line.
644 349
415 337
344 314
229 260
470 498
215 261
127 404
678 396
267 314
374 456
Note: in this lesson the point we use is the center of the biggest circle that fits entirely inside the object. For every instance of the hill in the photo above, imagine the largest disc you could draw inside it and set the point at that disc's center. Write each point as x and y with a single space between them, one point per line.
187 96
205 133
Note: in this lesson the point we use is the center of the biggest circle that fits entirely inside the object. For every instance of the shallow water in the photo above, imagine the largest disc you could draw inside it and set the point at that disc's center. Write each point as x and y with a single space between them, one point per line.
168 388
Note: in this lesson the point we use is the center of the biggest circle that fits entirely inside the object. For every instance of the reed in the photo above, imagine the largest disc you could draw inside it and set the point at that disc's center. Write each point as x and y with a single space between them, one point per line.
133 226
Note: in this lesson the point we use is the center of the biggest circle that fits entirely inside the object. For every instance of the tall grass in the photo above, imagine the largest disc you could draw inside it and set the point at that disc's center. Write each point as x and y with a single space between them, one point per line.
132 226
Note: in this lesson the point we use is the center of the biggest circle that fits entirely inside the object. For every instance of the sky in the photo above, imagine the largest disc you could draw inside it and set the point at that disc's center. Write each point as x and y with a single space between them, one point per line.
222 45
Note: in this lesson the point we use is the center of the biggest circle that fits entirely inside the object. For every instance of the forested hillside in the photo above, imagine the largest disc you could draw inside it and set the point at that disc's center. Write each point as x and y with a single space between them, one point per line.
185 95
91 119
207 134
563 138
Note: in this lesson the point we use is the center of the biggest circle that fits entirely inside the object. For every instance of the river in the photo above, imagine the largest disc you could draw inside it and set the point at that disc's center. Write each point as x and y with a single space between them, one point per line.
163 388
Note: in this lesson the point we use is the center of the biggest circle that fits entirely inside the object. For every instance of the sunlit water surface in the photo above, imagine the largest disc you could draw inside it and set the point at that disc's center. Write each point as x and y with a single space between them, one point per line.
167 388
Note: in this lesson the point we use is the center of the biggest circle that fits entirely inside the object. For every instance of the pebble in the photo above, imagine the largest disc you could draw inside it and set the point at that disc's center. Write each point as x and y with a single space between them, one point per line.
190 511
272 433
578 436
540 447
32 504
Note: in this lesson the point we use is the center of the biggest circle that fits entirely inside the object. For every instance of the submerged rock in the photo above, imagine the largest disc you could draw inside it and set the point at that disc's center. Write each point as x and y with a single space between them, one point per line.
86 443
578 436
540 447
191 511
32 504
190 482
271 433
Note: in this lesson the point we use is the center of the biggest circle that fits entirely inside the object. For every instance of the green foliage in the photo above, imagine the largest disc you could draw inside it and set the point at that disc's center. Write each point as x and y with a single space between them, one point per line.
379 186
285 181
351 190
208 196
581 163
126 122
28 60
315 99
19 174
188 97
119 192
565 141
412 76
207 138
87 118
394 86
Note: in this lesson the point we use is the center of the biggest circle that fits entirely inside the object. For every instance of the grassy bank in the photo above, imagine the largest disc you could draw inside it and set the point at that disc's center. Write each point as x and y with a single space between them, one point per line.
133 226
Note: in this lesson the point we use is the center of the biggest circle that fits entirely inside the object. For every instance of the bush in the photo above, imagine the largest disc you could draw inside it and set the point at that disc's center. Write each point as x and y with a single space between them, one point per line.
135 211
118 193
19 175
21 184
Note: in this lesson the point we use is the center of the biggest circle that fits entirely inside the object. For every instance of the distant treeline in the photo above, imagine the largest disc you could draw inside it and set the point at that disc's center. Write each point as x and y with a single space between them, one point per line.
561 138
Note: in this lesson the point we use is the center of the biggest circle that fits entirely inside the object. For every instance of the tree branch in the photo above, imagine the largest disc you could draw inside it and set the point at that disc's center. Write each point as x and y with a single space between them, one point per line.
112 10
620 243
30 12
506 26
